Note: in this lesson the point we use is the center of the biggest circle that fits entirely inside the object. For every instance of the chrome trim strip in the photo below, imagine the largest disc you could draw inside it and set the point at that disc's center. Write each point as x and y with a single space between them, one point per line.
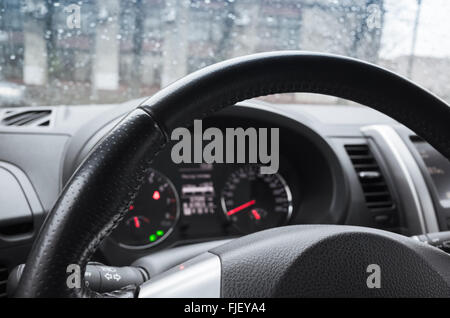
199 277
410 171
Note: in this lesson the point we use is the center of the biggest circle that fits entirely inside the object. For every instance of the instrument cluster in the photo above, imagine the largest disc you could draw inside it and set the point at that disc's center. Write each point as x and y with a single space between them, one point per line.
184 203
195 201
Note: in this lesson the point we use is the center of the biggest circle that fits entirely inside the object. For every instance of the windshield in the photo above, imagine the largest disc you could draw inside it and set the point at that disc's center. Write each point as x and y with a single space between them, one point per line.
94 52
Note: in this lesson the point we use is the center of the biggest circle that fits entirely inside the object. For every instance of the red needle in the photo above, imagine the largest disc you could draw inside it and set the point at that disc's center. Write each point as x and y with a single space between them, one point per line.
137 224
241 207
256 214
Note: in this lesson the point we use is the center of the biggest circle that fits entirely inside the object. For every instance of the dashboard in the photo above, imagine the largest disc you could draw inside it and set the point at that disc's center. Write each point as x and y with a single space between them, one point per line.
438 168
338 165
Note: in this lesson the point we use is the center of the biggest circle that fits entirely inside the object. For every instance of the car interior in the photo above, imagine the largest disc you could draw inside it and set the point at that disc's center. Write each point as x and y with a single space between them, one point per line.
94 204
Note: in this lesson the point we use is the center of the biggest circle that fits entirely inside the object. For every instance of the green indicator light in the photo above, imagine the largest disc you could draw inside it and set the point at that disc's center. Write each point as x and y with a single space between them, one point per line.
160 233
152 238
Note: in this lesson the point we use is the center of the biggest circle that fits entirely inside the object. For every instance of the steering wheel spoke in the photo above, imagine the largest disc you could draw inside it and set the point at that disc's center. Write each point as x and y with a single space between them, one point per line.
199 277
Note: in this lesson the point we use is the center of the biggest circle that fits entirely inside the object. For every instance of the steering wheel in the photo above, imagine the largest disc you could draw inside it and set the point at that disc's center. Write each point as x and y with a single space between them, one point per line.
293 261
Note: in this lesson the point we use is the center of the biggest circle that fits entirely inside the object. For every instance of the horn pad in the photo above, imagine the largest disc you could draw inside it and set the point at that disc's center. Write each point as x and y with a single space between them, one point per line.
331 261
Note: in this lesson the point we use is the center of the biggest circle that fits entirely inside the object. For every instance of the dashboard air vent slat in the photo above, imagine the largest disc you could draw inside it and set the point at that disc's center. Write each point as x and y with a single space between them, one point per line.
27 118
377 194
3 281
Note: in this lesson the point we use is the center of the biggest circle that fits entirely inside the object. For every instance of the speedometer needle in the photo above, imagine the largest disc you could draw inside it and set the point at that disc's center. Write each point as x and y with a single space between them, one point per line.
241 207
137 224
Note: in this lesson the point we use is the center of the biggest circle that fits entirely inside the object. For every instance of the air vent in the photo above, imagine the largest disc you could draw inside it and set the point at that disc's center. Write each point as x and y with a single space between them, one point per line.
3 281
27 118
376 191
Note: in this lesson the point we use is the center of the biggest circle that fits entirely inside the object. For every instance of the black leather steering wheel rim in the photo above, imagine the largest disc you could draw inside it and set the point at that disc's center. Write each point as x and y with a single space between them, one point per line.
99 193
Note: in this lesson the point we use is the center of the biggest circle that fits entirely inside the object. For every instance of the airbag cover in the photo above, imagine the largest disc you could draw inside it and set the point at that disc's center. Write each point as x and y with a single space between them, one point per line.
330 261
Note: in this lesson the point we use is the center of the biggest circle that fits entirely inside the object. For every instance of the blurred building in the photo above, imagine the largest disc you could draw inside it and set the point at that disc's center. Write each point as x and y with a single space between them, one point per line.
126 49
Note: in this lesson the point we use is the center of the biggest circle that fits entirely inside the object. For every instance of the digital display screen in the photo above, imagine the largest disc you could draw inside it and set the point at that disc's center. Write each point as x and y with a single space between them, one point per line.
439 169
197 190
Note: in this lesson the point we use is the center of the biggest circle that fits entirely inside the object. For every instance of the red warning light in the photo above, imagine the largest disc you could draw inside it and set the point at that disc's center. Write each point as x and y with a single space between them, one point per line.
156 195
131 208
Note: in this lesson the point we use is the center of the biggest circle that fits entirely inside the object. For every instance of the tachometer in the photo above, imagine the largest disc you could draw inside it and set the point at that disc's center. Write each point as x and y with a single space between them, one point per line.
153 216
253 201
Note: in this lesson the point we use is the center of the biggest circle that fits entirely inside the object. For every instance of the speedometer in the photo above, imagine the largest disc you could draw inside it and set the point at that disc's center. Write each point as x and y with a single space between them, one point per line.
253 201
152 217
